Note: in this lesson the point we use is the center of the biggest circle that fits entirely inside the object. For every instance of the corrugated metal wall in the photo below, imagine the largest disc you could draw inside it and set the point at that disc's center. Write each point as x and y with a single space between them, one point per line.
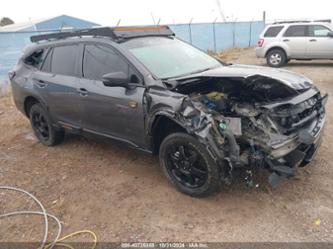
206 36
220 36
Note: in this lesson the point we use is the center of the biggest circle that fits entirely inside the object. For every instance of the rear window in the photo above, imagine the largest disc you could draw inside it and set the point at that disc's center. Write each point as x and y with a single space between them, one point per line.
64 60
296 31
273 31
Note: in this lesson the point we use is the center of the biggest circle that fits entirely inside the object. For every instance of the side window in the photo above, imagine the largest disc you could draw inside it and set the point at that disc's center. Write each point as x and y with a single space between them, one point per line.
46 66
273 31
35 59
64 60
296 31
318 31
99 60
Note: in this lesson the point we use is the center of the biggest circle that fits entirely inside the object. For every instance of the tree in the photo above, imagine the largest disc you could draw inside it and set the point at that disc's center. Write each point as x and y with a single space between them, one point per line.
6 21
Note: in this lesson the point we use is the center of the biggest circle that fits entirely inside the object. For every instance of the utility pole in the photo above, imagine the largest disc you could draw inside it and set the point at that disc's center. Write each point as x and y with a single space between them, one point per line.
214 35
190 29
219 7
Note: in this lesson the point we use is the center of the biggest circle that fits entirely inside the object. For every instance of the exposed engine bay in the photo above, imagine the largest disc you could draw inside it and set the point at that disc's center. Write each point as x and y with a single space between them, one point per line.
254 123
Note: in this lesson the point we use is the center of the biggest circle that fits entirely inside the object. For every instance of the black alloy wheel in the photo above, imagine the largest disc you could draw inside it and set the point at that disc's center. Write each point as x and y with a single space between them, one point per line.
188 165
40 126
43 128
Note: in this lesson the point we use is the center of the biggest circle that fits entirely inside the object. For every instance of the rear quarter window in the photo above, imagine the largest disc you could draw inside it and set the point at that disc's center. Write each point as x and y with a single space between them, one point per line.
273 31
35 59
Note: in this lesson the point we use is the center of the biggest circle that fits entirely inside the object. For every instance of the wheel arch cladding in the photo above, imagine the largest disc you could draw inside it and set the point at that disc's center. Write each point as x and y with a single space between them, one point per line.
161 127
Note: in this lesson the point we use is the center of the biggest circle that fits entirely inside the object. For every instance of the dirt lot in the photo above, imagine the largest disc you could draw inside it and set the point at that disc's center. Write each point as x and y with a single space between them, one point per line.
122 195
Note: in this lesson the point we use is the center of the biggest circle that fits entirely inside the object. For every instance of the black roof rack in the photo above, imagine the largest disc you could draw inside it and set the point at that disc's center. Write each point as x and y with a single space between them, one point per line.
116 33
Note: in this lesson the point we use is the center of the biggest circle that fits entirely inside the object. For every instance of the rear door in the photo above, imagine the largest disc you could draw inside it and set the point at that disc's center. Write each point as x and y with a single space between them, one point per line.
319 44
59 80
295 38
113 111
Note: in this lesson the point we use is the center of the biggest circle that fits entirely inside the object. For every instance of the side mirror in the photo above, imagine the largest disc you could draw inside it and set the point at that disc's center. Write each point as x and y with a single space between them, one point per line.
330 34
115 79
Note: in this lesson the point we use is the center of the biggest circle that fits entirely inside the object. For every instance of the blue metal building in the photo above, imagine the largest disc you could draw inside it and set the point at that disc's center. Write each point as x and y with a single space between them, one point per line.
13 38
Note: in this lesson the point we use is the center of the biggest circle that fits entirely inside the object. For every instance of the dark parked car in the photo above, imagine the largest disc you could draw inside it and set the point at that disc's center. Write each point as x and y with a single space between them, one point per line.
206 119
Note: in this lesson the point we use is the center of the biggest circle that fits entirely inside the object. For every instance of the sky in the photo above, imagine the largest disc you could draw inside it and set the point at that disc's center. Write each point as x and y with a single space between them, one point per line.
139 12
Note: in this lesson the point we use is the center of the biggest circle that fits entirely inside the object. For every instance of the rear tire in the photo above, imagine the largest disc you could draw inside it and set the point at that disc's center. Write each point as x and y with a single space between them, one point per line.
188 166
276 58
42 126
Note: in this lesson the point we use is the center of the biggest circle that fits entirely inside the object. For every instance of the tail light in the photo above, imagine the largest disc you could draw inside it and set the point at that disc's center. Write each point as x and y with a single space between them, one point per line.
261 42
11 74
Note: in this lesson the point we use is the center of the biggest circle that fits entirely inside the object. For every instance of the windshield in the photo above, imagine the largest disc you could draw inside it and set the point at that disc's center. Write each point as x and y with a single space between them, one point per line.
169 57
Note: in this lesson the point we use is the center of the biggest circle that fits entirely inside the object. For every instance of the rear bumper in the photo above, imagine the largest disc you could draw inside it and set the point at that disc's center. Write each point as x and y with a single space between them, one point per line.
260 52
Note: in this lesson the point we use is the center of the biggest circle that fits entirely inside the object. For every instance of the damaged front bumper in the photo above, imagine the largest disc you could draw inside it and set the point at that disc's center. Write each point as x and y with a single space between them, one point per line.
279 137
304 150
285 157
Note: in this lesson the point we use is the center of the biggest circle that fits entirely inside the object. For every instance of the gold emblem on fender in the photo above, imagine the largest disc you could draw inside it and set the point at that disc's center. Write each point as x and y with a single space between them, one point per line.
133 104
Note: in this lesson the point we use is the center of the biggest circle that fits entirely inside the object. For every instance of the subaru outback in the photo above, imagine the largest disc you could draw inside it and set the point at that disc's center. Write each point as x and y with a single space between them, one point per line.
207 120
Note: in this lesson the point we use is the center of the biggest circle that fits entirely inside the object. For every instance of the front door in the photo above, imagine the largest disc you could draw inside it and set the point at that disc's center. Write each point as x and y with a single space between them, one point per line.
319 44
113 111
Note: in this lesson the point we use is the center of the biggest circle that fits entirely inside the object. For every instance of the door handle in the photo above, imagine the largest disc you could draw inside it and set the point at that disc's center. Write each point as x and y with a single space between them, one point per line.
83 92
313 40
286 40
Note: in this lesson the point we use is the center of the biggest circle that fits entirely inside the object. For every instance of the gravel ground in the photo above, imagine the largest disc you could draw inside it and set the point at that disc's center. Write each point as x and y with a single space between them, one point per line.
122 195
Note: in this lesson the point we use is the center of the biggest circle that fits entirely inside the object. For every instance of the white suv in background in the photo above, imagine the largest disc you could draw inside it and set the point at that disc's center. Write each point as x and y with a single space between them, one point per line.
301 40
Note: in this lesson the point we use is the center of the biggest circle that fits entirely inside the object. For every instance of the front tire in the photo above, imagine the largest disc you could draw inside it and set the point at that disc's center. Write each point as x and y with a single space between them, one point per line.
188 166
276 58
42 126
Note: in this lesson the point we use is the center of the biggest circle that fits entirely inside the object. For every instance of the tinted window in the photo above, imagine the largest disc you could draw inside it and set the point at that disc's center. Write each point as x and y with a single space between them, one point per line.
46 67
64 60
273 31
318 31
99 60
296 31
35 59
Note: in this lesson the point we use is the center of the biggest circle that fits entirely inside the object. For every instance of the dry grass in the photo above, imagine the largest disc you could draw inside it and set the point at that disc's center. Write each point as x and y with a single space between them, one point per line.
229 54
6 97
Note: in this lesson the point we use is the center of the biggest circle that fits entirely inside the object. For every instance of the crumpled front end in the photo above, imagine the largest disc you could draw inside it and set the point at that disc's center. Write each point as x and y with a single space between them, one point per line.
253 124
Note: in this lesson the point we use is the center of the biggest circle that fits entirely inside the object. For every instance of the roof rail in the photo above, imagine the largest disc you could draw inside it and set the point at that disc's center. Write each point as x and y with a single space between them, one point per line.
304 21
282 22
116 33
323 20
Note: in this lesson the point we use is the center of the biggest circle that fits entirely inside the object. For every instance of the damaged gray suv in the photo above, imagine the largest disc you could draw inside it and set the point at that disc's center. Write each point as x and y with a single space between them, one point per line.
208 121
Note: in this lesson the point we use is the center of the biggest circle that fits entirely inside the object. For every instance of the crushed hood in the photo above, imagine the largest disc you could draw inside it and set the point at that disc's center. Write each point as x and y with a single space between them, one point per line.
293 80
